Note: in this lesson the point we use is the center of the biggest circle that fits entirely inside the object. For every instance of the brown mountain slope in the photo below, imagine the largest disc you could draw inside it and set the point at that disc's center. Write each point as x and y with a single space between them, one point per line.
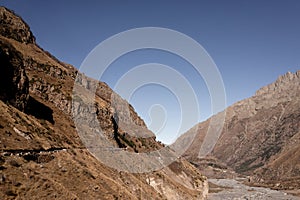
41 154
261 135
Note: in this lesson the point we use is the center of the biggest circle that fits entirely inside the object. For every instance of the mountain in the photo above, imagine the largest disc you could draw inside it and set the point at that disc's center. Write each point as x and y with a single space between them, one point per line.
260 137
42 155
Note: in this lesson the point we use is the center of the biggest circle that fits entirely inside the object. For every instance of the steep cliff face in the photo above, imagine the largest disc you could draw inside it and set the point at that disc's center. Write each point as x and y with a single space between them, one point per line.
41 153
14 83
261 134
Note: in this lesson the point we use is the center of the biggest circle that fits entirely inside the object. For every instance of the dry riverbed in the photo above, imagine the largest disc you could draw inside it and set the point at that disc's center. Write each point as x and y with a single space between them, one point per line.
230 189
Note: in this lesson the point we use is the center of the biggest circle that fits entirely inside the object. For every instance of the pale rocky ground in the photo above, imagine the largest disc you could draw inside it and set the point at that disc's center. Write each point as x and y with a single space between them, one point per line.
230 189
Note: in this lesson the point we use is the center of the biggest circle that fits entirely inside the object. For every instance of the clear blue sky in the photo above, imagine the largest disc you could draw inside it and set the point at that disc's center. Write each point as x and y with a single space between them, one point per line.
251 42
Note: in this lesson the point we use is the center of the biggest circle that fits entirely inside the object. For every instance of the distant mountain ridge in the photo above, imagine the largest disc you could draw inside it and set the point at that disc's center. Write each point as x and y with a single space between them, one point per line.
41 154
261 135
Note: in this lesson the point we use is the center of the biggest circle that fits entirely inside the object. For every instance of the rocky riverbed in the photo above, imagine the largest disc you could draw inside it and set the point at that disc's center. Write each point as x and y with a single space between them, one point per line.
230 189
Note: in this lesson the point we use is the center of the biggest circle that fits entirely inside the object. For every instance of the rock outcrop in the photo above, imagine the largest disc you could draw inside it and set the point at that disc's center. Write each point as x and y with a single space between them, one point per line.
12 26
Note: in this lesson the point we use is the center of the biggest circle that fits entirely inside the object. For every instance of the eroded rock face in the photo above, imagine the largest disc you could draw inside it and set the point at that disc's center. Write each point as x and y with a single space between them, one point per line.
14 84
12 26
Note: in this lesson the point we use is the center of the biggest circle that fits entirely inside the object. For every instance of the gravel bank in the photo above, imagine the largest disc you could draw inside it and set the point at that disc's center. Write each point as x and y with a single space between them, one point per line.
238 191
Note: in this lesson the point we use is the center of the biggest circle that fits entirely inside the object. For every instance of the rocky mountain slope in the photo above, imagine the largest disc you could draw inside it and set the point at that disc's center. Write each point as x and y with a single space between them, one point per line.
41 153
260 137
